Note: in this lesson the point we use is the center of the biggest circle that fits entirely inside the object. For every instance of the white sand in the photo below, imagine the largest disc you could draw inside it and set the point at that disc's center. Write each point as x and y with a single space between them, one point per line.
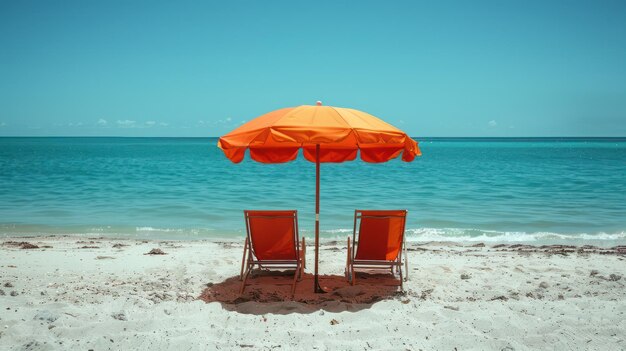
118 298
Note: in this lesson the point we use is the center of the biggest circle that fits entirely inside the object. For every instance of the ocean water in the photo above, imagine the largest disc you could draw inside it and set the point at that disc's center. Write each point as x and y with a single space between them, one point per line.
493 190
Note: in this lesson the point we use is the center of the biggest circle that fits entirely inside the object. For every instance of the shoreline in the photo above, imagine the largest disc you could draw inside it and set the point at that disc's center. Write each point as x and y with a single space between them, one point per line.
100 293
599 240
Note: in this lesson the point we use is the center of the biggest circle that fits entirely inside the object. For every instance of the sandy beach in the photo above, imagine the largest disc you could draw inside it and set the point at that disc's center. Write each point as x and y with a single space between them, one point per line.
107 294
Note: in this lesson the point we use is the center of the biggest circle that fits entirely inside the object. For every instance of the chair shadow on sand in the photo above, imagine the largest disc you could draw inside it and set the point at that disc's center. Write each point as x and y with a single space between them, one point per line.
270 292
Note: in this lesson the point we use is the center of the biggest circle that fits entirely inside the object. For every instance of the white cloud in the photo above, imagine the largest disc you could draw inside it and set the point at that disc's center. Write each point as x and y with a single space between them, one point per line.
2 124
492 123
163 124
226 121
150 123
125 123
102 122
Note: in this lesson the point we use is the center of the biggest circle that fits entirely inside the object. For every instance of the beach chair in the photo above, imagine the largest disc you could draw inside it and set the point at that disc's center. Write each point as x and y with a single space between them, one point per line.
377 242
272 242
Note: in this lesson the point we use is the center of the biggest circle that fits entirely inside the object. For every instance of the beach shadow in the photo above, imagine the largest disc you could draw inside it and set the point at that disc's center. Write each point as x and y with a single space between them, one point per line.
270 292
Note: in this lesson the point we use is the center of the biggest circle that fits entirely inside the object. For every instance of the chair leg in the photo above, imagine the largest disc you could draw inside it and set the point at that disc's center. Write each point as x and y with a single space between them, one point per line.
406 268
347 269
295 280
406 258
303 254
243 259
352 274
245 278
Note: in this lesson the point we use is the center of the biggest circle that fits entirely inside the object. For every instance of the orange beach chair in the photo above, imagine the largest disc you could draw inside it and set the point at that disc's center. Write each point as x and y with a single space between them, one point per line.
272 242
377 242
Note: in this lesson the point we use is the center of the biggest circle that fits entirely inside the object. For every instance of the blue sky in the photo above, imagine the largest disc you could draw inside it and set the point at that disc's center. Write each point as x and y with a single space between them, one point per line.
467 68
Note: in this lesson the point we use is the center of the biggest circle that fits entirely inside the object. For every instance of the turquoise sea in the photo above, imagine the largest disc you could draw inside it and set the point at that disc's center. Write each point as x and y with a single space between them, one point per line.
537 190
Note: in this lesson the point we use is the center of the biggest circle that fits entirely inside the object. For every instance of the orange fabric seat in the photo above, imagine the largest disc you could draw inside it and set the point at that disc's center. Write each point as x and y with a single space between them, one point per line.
377 241
272 240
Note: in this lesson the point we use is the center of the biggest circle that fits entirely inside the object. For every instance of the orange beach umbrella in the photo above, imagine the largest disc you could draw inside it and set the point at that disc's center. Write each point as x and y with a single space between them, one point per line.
325 134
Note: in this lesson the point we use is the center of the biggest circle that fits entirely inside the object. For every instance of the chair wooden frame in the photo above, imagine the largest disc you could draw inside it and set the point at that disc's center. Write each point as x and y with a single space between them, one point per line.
397 263
250 260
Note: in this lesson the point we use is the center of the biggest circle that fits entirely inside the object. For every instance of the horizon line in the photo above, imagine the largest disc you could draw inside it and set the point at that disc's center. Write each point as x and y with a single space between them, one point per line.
420 137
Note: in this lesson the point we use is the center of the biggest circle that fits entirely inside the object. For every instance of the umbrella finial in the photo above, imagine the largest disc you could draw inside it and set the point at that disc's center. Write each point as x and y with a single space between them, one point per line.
318 103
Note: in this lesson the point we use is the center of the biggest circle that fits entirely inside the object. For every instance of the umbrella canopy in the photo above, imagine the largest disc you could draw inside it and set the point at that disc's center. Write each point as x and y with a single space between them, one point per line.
277 136
325 134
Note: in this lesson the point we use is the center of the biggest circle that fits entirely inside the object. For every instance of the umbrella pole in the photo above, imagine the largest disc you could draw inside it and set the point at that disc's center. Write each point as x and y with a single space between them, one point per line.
316 284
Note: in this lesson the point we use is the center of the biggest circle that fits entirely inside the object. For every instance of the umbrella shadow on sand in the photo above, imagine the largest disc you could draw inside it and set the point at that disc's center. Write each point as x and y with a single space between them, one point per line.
270 292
